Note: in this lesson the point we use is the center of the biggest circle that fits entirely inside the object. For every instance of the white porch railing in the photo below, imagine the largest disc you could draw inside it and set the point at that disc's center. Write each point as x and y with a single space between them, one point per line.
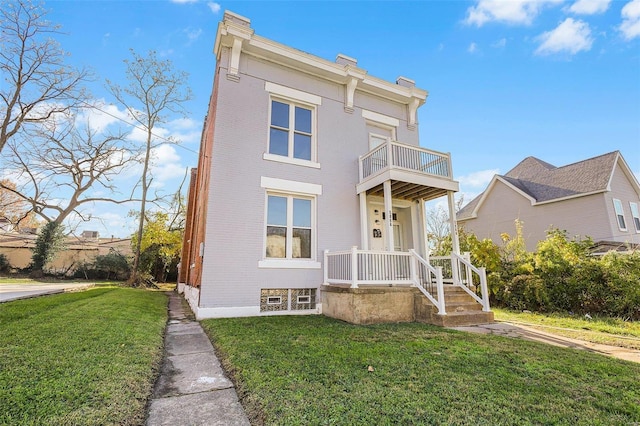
365 267
403 156
458 270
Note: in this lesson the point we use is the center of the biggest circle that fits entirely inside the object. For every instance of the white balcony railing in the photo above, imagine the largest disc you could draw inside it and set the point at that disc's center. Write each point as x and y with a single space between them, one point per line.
364 267
407 157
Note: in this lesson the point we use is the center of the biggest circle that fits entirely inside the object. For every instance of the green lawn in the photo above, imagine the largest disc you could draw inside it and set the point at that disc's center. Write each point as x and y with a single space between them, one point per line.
608 331
314 370
80 358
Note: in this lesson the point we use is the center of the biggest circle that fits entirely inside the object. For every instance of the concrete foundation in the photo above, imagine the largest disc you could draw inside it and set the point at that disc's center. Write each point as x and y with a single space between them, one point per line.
370 305
374 305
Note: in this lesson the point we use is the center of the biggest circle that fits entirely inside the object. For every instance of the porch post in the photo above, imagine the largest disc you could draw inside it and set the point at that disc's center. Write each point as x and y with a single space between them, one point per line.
364 232
423 229
416 233
388 208
453 225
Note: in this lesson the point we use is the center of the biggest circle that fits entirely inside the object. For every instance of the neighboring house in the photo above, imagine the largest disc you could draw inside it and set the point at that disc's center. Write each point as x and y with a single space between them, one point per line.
598 197
300 164
18 249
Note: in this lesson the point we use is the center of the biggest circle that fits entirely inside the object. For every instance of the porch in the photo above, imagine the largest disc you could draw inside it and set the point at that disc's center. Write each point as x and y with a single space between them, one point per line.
364 287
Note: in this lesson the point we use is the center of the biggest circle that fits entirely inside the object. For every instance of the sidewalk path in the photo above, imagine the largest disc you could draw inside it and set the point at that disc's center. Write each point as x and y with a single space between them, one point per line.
9 292
192 388
529 333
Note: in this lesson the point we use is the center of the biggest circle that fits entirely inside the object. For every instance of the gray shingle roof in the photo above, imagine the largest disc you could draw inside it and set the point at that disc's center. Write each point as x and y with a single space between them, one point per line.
545 182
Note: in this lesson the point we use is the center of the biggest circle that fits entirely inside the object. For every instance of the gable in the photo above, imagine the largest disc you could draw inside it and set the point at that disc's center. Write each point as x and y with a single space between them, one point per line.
470 211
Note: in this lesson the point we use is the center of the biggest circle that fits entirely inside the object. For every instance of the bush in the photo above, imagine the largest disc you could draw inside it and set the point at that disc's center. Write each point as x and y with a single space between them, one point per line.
622 273
4 263
525 292
111 266
560 276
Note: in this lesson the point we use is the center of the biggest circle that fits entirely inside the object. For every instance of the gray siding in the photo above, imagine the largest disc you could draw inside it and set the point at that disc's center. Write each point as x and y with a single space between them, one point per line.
591 215
622 190
236 213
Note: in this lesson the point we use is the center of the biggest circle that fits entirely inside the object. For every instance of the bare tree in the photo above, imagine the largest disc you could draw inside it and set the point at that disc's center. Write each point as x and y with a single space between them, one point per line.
61 167
154 91
438 227
37 83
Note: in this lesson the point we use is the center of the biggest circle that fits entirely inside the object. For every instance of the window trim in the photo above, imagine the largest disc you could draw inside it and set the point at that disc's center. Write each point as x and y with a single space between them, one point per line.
380 118
293 98
617 203
635 215
291 189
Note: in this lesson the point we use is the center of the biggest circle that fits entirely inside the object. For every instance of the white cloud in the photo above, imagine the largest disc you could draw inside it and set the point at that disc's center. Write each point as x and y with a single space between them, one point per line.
630 26
589 7
514 12
500 43
102 116
192 34
167 165
478 179
215 7
571 36
473 47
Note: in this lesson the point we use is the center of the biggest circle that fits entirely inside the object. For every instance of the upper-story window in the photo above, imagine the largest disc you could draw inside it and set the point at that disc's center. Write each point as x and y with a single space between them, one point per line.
291 130
293 126
636 215
617 205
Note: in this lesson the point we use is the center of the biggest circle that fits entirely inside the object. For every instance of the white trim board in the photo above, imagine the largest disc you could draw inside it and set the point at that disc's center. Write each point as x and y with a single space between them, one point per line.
380 118
290 186
290 93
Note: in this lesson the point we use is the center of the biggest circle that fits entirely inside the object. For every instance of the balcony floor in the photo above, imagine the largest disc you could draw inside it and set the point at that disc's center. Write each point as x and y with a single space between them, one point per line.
407 185
409 191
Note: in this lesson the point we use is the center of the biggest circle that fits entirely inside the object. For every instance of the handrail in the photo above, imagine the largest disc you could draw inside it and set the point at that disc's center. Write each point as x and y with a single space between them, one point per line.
420 281
482 274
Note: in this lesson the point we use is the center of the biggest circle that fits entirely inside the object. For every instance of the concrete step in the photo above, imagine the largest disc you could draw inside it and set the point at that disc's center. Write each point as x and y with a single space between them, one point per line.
462 306
456 319
458 298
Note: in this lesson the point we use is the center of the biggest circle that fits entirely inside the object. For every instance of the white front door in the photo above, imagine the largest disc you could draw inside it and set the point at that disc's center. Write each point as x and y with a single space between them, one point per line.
378 228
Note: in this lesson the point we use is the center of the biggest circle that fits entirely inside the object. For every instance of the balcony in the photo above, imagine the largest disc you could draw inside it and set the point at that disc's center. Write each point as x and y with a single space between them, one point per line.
415 172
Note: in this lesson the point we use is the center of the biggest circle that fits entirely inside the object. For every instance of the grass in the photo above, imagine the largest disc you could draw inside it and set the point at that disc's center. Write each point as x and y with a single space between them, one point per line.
300 370
608 331
80 358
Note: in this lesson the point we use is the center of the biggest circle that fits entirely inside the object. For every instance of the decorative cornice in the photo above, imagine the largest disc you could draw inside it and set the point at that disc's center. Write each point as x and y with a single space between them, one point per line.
235 33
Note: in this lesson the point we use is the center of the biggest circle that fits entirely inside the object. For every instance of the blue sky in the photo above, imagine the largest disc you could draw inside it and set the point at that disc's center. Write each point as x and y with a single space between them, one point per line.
507 79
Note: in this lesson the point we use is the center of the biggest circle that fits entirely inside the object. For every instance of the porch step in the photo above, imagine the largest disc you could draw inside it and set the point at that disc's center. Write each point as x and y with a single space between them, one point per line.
462 309
463 306
457 319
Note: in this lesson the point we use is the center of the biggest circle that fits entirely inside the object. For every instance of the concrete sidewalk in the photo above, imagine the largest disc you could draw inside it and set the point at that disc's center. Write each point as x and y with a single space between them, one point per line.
192 388
523 332
10 292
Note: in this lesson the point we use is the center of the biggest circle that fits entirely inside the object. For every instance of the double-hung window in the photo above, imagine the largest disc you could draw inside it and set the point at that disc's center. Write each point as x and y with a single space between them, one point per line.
617 205
293 127
289 230
290 224
636 215
291 130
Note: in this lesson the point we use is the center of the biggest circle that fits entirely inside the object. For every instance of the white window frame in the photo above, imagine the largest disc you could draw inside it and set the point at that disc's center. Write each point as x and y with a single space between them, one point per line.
293 98
635 215
291 189
619 212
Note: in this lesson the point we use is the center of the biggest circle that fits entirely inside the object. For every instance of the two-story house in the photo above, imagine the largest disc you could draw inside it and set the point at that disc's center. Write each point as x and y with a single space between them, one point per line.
598 197
309 193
